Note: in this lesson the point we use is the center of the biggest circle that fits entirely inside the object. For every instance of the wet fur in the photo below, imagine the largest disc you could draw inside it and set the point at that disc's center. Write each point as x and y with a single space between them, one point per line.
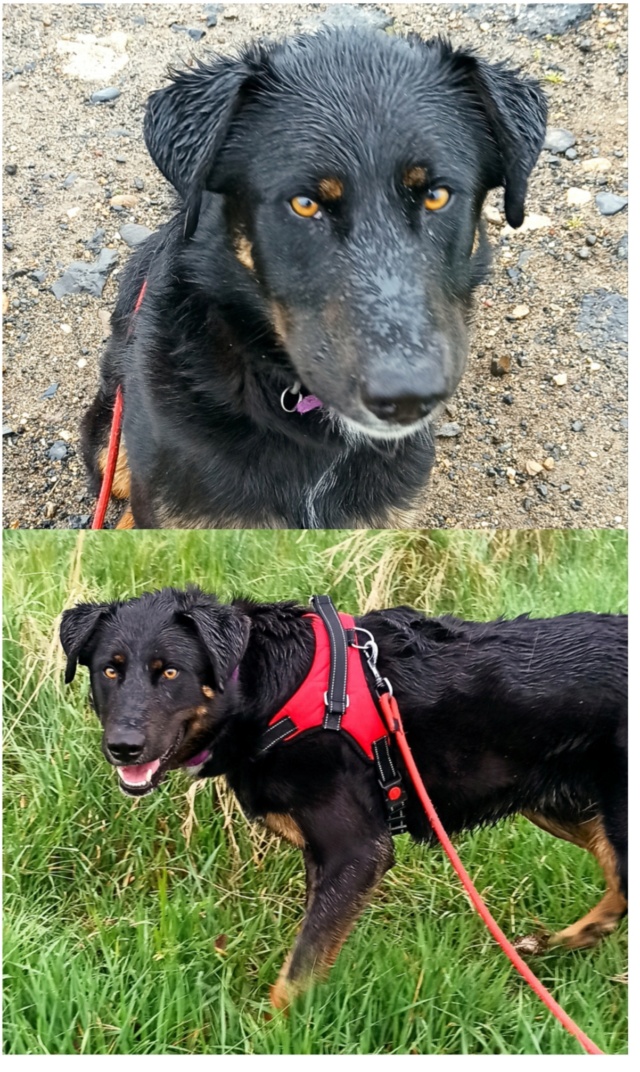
524 716
370 301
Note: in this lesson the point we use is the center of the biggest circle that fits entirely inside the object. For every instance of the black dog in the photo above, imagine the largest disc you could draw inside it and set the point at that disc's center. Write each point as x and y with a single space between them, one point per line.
306 310
502 717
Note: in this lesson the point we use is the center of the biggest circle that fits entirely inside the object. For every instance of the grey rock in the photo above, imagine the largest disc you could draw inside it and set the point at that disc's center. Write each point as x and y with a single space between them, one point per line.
623 248
94 244
448 430
11 169
134 234
193 32
38 276
538 20
90 278
558 140
604 317
50 392
590 240
352 15
70 179
103 96
58 450
584 254
608 204
571 153
138 183
577 426
211 12
7 430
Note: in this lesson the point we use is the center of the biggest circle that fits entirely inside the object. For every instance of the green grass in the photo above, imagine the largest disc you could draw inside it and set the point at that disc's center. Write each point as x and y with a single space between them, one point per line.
156 926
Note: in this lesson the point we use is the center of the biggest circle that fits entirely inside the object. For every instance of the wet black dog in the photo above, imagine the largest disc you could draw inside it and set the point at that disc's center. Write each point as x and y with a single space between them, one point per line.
306 310
502 717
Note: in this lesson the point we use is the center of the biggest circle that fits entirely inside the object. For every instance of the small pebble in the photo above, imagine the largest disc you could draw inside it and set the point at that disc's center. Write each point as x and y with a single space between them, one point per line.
571 154
584 254
50 392
58 450
558 140
11 169
103 96
590 240
448 430
608 204
577 426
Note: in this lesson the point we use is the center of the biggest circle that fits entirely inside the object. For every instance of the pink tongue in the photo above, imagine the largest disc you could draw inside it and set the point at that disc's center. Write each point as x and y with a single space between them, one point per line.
139 775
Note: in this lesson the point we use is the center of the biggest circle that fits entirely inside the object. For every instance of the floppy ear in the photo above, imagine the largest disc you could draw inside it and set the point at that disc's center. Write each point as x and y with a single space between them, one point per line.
223 631
517 112
186 123
76 629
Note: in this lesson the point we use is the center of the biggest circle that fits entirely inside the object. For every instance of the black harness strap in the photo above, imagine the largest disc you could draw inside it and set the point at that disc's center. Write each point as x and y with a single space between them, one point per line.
336 700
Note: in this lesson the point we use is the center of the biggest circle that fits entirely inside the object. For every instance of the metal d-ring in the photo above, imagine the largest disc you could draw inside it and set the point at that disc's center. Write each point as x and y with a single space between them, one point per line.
294 390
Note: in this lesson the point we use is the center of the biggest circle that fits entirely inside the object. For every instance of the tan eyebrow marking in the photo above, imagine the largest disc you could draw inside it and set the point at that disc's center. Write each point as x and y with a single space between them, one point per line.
209 693
244 252
330 189
415 176
117 658
156 664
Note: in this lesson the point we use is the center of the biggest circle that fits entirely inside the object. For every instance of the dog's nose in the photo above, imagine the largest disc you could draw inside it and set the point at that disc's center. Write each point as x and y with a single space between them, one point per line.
405 409
126 746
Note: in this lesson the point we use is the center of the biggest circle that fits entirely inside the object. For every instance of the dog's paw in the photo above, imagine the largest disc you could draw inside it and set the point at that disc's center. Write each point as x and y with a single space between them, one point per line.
531 945
280 996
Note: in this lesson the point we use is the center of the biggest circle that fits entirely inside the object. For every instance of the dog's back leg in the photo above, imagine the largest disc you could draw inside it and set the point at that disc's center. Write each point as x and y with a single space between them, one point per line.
593 836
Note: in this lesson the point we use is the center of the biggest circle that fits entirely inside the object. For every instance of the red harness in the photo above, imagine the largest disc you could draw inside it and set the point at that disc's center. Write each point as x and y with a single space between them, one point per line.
336 695
362 721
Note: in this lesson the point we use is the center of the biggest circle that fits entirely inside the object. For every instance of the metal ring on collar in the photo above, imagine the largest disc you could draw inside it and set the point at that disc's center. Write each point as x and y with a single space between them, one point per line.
294 390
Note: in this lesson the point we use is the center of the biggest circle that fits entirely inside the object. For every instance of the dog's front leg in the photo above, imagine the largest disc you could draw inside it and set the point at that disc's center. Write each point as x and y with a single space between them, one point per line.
338 890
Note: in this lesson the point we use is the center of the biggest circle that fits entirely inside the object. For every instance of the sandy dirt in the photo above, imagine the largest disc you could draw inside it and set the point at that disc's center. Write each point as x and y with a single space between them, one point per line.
543 444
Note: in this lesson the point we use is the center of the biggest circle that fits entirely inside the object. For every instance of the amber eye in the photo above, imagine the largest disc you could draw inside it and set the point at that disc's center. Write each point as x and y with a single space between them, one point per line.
170 673
304 206
436 199
110 672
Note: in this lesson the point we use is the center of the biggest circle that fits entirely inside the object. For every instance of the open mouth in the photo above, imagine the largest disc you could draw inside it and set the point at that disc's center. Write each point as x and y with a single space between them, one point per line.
142 778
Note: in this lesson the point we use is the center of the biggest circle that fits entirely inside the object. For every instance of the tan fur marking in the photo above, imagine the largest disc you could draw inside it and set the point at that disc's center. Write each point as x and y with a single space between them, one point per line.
330 189
604 917
156 664
285 827
415 176
280 321
126 521
244 252
117 658
121 487
209 693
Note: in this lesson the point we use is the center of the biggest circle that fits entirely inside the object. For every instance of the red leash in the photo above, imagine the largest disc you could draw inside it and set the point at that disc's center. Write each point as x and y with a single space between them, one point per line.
394 723
114 438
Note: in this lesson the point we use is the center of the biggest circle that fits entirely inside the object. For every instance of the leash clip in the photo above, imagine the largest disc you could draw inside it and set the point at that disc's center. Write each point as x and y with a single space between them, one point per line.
370 649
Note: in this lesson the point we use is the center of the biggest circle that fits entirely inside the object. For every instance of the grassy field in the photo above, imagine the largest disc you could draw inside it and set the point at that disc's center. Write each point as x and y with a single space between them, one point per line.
156 926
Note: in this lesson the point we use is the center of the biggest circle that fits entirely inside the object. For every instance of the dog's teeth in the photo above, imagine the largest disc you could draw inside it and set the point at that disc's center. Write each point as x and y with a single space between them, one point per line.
140 774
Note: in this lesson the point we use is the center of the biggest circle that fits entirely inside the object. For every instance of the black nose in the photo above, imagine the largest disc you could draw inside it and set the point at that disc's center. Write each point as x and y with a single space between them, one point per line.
405 409
126 746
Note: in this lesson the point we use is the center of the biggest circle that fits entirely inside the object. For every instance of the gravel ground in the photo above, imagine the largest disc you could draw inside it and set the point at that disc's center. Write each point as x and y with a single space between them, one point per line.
536 434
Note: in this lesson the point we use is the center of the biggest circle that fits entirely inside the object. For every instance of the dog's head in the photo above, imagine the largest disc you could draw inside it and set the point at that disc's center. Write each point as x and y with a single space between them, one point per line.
158 667
352 168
